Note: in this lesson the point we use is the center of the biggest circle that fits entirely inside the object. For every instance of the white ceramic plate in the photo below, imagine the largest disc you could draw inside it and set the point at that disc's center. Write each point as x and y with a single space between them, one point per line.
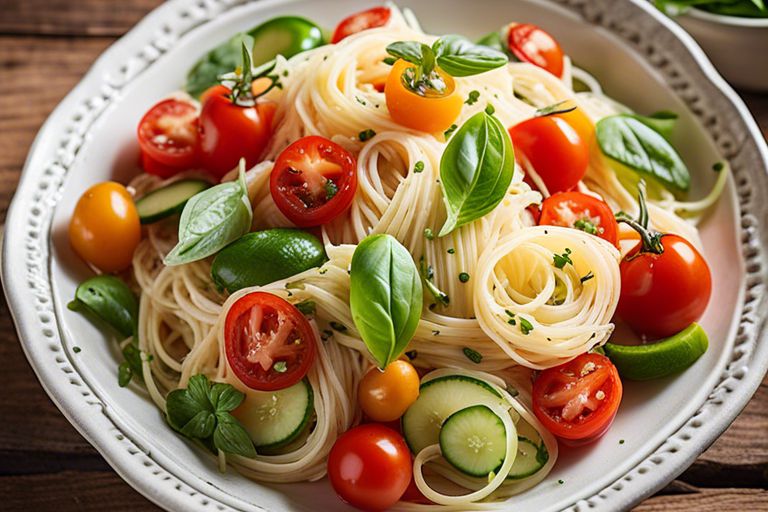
641 58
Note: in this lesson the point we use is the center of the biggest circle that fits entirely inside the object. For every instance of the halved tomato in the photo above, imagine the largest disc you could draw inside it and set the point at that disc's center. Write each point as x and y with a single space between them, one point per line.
168 134
531 44
372 18
578 400
313 181
580 211
268 342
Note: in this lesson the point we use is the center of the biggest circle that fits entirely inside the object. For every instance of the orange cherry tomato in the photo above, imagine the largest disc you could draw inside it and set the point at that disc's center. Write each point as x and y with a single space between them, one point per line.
431 113
385 395
105 228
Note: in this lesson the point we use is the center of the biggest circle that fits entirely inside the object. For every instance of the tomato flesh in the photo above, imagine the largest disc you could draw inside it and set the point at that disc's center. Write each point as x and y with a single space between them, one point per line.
168 134
372 18
577 401
268 342
662 294
370 467
530 43
580 211
313 181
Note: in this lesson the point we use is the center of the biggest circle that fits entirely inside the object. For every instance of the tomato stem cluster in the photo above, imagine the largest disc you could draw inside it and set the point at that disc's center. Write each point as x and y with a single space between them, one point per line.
651 239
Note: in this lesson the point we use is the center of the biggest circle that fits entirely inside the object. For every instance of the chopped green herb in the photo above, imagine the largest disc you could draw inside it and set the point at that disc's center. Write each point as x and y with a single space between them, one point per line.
621 441
719 166
411 354
76 350
463 277
451 250
427 274
360 100
326 334
330 189
473 97
587 226
307 307
509 313
366 135
389 61
450 130
587 277
560 260
490 109
525 326
561 482
418 167
429 234
336 326
280 367
473 355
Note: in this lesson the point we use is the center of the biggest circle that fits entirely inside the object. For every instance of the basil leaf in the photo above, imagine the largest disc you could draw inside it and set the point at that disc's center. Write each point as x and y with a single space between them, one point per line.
198 389
225 398
109 299
181 408
211 220
663 122
200 426
124 374
632 143
132 356
475 170
385 296
459 56
492 40
231 437
407 50
222 59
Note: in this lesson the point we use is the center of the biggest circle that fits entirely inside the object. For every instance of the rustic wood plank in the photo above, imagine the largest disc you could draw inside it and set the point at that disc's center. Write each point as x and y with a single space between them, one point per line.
708 500
66 17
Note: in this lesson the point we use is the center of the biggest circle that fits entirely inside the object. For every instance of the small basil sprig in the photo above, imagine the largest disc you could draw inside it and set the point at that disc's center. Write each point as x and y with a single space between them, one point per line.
385 296
662 121
475 170
202 412
211 220
635 144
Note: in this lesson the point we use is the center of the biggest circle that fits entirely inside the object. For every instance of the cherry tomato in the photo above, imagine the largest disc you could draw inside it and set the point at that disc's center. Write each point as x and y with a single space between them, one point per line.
370 467
372 18
313 181
229 131
578 400
431 112
580 211
413 495
105 229
168 134
385 395
662 294
152 166
269 343
554 148
531 44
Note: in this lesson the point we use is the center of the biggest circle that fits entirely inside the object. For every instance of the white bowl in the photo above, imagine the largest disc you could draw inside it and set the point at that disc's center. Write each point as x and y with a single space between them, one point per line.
642 59
737 46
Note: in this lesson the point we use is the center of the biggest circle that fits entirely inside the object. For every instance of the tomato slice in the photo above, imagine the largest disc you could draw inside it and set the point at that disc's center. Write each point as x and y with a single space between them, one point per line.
580 211
372 18
578 400
269 343
313 181
168 134
531 44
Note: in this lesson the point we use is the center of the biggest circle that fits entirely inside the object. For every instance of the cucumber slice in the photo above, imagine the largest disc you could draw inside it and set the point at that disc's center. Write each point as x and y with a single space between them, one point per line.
286 36
168 200
438 399
264 257
274 419
474 441
530 458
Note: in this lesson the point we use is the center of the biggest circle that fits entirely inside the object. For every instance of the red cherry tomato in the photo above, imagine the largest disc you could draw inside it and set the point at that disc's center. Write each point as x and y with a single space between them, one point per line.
229 131
168 134
580 211
531 44
578 400
554 148
313 181
372 18
370 467
662 294
151 166
269 343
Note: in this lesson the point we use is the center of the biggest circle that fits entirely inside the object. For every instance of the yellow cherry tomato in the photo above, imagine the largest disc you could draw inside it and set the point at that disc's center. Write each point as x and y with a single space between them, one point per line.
105 228
385 395
579 122
430 113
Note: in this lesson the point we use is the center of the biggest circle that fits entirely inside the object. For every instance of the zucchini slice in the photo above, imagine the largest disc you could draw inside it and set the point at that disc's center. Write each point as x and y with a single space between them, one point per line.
166 201
474 441
529 460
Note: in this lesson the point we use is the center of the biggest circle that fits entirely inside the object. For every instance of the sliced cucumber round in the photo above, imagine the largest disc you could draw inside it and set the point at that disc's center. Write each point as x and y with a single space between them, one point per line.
530 458
474 441
286 36
274 419
168 200
438 399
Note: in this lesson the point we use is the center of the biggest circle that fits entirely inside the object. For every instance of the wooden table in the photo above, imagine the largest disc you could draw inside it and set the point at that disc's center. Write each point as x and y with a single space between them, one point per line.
45 48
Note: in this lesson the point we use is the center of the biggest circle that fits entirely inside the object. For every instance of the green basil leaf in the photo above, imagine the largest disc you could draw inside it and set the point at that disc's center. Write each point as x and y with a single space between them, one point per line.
475 170
211 220
132 356
181 408
124 374
222 59
231 437
492 40
200 426
109 299
663 122
385 296
459 56
407 50
641 148
198 390
225 398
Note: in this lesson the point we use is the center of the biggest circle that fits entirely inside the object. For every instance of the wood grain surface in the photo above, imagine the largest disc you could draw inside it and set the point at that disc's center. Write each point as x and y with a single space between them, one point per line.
45 48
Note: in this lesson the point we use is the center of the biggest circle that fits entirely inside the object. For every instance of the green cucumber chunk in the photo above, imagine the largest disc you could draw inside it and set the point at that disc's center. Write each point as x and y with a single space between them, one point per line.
438 399
660 359
474 441
169 200
530 458
264 257
275 418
